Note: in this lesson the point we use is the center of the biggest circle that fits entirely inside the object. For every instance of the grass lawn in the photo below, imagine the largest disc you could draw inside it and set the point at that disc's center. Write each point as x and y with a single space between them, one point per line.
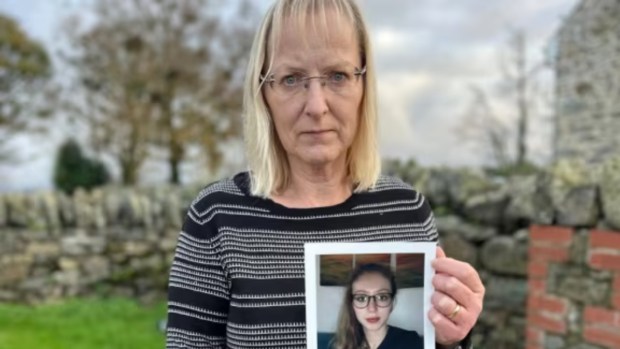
82 324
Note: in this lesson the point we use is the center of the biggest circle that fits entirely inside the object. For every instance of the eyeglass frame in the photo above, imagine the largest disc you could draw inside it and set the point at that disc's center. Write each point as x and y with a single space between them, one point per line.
271 78
374 299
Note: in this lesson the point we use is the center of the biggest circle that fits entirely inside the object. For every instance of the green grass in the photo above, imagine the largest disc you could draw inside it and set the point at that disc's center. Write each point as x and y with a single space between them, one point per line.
82 324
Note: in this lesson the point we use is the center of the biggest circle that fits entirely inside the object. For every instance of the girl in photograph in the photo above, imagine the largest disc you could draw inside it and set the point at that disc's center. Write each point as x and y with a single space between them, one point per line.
368 302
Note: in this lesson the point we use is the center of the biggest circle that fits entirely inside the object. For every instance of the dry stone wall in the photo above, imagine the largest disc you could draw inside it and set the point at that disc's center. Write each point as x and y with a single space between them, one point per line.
114 241
120 241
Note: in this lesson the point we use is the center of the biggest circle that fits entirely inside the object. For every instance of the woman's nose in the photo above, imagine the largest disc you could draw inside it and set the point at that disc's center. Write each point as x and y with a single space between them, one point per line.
316 103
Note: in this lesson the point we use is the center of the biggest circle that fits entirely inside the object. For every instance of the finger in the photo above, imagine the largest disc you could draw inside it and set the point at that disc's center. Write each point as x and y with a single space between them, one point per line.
446 331
443 303
461 270
456 290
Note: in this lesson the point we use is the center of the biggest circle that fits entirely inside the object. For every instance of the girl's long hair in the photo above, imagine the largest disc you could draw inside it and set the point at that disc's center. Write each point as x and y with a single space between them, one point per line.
349 333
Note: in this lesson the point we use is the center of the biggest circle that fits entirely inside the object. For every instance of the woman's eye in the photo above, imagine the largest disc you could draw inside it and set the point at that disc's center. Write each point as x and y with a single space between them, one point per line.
338 77
384 297
290 80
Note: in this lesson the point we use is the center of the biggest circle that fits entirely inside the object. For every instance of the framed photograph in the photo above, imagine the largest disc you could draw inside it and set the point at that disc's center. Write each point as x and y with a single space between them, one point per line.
357 279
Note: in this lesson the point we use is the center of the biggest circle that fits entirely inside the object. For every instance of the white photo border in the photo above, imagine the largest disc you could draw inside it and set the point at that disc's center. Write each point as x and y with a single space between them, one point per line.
313 250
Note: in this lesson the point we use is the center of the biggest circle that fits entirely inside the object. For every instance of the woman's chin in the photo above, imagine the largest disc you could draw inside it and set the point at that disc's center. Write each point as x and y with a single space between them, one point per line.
321 158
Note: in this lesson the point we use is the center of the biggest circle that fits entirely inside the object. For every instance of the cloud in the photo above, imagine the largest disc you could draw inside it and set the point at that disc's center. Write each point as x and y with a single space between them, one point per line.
427 52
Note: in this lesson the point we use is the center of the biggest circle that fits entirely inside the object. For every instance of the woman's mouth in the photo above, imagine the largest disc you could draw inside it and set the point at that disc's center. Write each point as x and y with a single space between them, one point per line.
373 320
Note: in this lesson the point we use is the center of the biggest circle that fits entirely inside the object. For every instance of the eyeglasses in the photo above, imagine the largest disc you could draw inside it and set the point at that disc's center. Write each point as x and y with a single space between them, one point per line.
382 300
288 84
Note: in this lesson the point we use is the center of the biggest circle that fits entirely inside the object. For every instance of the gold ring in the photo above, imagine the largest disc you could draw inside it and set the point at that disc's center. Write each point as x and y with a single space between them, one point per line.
456 310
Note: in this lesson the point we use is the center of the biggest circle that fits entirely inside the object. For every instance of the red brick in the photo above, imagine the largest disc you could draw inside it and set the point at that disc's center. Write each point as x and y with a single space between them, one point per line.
551 234
605 239
546 323
535 336
608 338
601 317
537 269
535 286
605 261
548 253
547 303
615 300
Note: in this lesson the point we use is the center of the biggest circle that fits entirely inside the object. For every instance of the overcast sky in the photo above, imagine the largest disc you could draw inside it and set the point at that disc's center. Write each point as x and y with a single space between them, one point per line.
428 54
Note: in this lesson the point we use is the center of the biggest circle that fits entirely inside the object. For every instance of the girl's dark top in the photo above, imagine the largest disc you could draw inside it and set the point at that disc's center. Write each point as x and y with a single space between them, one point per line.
397 338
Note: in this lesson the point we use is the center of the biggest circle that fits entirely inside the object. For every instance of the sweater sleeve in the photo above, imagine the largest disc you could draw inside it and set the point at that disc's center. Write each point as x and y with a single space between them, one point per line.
198 289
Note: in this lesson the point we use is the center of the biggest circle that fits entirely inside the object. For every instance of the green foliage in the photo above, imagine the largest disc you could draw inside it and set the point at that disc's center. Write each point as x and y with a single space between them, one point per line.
21 58
86 323
24 66
513 169
72 170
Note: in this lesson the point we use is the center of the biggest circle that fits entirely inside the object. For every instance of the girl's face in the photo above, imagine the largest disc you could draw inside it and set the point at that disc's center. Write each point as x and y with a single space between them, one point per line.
372 289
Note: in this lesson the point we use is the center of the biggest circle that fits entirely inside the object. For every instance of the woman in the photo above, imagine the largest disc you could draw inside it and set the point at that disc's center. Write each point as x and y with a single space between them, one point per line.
368 303
237 279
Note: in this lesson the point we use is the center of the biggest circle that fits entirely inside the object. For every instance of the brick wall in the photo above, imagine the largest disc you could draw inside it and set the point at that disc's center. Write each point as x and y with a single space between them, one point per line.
558 317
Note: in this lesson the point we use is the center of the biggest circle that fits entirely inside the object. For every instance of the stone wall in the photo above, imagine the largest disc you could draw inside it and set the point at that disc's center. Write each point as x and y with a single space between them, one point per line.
120 242
587 69
496 224
108 242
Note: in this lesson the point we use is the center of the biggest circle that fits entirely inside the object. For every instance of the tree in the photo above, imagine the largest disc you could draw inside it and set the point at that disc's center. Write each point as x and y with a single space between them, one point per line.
161 74
73 170
486 127
24 68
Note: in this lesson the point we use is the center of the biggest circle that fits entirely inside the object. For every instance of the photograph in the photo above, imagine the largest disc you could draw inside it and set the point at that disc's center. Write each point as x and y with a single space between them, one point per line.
358 293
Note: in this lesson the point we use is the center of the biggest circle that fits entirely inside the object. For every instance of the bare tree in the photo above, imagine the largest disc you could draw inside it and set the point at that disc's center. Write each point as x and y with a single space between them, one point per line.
484 126
493 131
161 74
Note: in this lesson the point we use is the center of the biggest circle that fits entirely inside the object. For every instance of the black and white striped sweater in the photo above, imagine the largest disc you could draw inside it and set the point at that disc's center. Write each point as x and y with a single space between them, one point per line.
237 279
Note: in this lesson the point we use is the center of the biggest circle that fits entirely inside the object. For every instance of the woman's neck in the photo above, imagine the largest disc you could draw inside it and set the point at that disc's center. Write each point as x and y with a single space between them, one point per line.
315 187
374 338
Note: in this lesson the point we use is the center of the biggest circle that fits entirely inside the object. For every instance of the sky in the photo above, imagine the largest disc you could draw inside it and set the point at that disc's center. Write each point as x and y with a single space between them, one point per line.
428 54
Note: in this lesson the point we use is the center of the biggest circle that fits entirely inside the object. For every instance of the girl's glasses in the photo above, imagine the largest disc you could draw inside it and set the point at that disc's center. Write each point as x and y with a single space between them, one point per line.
381 300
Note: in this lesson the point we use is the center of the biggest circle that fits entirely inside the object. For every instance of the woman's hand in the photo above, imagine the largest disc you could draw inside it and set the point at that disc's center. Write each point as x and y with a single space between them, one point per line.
457 299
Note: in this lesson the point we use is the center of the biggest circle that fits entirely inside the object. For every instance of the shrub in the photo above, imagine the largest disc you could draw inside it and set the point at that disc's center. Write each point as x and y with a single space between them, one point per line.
73 170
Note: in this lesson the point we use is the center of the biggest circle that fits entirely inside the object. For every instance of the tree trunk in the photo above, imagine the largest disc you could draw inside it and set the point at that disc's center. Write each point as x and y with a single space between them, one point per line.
522 106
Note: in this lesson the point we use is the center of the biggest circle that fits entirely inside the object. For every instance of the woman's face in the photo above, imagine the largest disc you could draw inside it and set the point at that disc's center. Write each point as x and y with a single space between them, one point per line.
372 317
315 123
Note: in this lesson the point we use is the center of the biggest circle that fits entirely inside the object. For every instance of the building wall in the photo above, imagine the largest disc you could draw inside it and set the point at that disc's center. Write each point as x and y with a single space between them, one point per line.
574 288
588 82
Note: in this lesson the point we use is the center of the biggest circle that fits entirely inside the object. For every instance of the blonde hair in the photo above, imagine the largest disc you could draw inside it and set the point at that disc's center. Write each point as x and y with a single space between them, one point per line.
267 160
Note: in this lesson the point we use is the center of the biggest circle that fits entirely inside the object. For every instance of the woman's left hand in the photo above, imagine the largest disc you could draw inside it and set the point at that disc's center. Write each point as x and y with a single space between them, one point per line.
457 299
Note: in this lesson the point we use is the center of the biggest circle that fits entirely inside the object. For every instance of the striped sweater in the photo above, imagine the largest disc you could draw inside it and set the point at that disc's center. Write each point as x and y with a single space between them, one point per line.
237 279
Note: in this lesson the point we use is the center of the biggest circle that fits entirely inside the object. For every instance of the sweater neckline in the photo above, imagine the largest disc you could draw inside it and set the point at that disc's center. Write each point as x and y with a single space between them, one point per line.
242 180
